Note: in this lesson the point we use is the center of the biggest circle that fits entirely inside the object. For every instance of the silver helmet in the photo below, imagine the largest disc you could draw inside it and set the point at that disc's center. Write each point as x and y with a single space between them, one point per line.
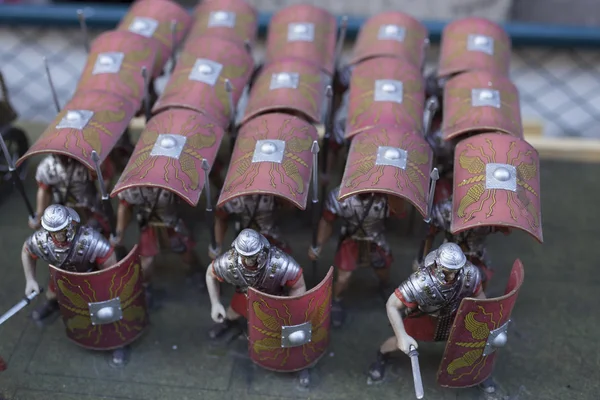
57 217
449 256
249 243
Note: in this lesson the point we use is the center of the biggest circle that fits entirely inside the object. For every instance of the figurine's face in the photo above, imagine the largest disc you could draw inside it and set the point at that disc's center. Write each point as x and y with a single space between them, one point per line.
250 261
60 236
449 276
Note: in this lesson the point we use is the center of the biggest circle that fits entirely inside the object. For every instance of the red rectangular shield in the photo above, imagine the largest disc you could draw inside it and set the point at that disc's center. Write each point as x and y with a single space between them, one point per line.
480 327
288 334
92 120
234 20
496 183
271 156
151 19
474 44
169 154
304 32
106 309
389 161
481 101
392 34
287 86
115 65
385 92
198 81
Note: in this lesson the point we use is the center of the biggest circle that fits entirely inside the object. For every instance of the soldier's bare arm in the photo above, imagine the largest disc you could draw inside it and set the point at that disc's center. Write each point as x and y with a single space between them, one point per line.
109 261
124 214
29 263
299 287
212 284
395 307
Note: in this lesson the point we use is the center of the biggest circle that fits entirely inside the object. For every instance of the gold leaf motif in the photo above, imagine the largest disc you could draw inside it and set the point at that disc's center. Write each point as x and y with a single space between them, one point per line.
467 360
78 322
267 320
129 287
73 297
472 196
266 344
474 165
134 314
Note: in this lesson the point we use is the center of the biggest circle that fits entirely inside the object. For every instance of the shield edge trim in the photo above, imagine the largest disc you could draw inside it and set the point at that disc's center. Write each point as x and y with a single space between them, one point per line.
323 282
141 333
221 202
116 190
486 129
517 264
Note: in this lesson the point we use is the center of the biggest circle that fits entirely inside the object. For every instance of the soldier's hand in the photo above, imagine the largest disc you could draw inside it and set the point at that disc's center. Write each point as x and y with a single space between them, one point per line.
116 240
34 223
31 286
218 312
405 342
314 252
214 252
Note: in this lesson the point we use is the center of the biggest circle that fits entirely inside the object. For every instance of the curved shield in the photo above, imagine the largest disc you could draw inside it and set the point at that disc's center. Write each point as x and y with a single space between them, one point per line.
115 63
152 20
389 161
289 86
481 101
479 329
198 81
385 92
288 334
392 34
106 309
92 120
303 32
496 183
169 154
234 20
271 156
474 44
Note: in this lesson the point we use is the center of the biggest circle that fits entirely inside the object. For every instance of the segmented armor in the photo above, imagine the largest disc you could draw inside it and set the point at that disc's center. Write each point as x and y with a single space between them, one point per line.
472 241
155 206
361 223
339 123
274 270
437 298
89 246
256 212
72 183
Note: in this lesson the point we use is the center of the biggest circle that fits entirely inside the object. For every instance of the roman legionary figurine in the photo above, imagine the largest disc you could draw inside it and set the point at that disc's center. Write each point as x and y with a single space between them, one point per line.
288 327
251 261
444 301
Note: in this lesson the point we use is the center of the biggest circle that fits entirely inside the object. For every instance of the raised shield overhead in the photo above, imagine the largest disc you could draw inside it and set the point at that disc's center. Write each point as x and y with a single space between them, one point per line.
103 310
474 44
152 20
288 334
92 120
390 161
392 34
115 63
480 101
496 183
385 92
169 154
234 20
303 32
198 81
479 329
289 86
272 157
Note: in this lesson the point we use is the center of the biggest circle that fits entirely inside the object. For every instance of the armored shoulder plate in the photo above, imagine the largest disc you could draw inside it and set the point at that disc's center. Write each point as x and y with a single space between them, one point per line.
90 245
225 267
332 204
471 281
38 245
417 287
279 269
441 214
46 172
132 196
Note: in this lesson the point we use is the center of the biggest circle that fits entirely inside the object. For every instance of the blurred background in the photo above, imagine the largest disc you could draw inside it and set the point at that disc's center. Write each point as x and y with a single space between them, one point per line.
555 63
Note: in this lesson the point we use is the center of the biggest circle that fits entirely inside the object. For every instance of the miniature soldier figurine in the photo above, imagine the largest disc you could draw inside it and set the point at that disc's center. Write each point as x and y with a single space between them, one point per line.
63 180
156 210
435 289
66 244
251 261
363 241
256 212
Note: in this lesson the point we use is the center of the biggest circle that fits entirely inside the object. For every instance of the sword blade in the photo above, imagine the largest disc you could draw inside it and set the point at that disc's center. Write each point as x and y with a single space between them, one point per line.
18 307
416 370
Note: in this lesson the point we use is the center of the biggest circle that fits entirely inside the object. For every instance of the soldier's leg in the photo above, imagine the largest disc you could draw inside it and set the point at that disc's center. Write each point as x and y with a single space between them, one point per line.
377 368
147 264
338 313
120 357
49 306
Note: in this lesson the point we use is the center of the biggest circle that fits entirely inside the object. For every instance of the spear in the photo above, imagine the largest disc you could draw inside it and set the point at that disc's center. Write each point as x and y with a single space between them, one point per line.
232 112
328 132
210 213
51 83
434 176
15 177
147 108
341 40
173 44
84 30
